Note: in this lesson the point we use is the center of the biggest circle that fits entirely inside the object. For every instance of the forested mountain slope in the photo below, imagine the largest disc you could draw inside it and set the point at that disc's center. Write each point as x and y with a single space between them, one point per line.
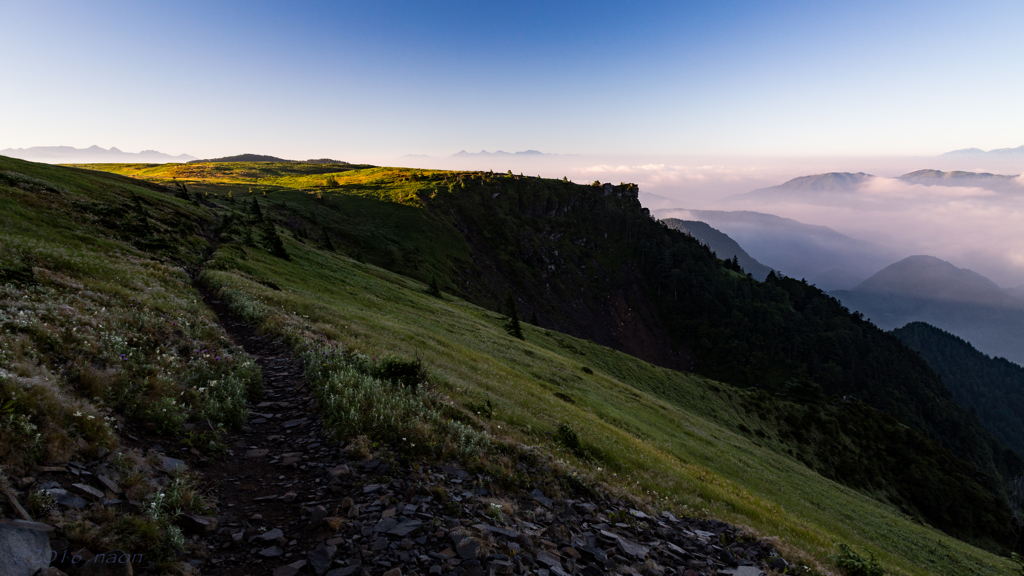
993 387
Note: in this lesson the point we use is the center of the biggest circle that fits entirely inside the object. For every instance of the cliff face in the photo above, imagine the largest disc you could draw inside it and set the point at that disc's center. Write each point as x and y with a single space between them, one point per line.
562 250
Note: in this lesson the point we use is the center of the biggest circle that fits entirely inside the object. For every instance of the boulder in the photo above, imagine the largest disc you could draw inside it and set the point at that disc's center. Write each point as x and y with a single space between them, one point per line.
23 552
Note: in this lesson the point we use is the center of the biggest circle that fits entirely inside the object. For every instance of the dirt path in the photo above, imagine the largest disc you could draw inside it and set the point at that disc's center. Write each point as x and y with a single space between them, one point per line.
276 468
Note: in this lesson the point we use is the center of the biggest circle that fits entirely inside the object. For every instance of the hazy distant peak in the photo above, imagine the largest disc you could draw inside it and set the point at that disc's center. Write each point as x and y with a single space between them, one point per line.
247 158
463 153
92 155
964 151
935 279
1019 150
814 185
960 178
828 182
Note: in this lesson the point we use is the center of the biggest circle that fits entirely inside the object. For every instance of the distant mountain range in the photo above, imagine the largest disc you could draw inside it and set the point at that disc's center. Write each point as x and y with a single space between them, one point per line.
463 153
91 155
825 187
486 154
1018 151
960 301
826 258
721 244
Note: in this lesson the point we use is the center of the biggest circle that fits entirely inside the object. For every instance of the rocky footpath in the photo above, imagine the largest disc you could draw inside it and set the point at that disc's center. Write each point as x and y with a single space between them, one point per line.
285 500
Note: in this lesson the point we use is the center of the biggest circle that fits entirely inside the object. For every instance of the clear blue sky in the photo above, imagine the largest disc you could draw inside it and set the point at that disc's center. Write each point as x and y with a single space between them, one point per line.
379 79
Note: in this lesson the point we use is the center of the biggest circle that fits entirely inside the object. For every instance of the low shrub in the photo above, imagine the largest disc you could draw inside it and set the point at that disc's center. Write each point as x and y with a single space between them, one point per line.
386 400
856 565
567 437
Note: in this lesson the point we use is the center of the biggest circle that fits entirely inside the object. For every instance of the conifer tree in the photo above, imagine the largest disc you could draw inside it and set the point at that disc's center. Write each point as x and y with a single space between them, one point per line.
327 239
512 321
434 289
272 242
255 209
247 235
533 319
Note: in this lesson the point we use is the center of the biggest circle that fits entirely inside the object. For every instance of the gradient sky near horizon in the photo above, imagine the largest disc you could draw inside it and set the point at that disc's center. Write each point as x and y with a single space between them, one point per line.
372 80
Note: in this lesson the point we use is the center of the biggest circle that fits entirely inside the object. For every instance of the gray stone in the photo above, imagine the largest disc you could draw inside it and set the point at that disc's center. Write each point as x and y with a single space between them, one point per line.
106 483
86 491
317 514
22 551
497 530
168 464
549 560
593 554
289 569
468 549
540 498
385 525
66 499
199 524
405 528
271 552
630 548
267 536
500 567
319 561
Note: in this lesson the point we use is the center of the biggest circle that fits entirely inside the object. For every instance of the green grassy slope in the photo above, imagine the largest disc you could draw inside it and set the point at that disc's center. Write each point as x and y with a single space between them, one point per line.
102 331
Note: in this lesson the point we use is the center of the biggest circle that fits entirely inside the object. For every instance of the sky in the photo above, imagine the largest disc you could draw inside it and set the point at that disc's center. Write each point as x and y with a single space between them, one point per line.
373 81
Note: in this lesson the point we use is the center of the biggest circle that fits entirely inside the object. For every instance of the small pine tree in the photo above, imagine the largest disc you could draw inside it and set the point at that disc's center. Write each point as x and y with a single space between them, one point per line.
327 239
512 322
255 209
247 236
533 319
272 242
434 289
